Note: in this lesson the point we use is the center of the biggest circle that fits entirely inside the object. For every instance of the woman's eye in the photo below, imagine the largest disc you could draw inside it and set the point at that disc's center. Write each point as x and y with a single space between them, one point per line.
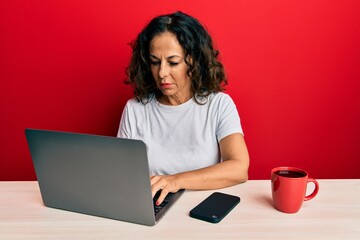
173 63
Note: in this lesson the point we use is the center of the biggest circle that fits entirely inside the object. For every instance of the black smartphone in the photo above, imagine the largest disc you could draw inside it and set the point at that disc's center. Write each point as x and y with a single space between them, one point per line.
215 207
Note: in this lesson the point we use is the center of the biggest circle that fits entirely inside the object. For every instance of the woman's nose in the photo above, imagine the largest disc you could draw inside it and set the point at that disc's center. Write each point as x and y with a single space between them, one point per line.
163 71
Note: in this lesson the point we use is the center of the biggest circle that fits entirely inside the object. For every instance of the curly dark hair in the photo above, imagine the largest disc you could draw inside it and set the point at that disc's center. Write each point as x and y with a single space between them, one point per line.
205 70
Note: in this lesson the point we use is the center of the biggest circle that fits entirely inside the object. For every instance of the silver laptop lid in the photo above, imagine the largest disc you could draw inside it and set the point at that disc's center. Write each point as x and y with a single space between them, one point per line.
96 175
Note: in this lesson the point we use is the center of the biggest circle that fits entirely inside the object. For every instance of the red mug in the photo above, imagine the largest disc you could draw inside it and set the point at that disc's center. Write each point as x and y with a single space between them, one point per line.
288 185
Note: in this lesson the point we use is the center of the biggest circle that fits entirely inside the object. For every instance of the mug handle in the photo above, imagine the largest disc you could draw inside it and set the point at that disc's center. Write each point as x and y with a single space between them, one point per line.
316 190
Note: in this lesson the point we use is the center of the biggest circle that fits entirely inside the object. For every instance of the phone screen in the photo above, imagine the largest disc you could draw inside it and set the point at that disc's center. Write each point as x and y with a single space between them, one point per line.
215 207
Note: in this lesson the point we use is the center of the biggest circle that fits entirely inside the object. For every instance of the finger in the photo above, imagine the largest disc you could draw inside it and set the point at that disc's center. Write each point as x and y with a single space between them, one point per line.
154 179
155 188
162 196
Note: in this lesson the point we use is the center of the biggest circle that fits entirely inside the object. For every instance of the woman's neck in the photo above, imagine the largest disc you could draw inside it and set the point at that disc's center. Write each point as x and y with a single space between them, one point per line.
174 100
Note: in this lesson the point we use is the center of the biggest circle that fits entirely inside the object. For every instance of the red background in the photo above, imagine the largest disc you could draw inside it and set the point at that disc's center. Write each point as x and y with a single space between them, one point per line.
293 67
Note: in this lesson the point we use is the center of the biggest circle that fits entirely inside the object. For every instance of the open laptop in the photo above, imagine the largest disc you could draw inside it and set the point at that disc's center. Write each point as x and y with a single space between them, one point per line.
96 175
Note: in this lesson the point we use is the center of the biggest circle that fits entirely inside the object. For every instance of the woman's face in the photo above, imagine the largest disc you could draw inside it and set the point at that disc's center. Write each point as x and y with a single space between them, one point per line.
168 68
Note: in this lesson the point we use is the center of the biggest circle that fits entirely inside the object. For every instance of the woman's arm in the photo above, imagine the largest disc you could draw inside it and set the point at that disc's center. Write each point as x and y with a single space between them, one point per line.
231 171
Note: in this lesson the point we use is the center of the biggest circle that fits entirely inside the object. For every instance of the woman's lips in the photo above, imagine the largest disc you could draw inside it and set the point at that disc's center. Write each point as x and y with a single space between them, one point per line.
165 85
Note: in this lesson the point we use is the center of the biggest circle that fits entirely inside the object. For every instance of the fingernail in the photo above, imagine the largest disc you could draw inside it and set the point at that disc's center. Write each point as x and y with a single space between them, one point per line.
157 203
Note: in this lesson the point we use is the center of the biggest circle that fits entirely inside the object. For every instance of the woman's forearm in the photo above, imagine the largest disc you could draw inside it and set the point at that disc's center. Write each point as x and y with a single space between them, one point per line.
224 174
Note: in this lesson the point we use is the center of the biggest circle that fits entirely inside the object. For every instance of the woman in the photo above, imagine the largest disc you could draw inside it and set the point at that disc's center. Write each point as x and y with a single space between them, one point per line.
191 128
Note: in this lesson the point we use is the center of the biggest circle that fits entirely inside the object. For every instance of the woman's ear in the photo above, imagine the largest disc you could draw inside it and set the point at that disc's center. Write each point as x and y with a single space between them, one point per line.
189 62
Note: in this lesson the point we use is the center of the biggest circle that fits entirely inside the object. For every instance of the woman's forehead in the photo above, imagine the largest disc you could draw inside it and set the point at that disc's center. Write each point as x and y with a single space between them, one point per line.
165 45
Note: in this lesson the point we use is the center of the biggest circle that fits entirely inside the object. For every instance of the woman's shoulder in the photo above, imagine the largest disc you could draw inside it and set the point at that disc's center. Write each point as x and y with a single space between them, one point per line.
134 102
220 97
133 105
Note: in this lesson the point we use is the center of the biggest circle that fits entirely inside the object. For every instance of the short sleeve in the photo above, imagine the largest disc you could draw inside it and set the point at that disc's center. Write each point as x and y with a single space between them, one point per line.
228 118
124 128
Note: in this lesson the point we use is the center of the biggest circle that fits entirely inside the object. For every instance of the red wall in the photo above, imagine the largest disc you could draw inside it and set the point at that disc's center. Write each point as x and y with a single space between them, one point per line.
293 67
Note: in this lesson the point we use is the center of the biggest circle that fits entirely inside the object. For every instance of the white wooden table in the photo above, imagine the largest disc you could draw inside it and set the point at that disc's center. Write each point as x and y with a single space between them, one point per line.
333 214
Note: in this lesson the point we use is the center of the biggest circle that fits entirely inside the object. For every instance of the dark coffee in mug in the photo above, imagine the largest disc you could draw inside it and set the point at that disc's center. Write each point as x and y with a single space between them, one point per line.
290 174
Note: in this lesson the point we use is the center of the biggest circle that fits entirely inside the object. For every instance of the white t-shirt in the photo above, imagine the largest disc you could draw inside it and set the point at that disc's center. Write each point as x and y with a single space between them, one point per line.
184 137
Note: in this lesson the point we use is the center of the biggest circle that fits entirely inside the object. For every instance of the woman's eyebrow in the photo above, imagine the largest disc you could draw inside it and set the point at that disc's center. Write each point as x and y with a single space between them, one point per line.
170 57
173 56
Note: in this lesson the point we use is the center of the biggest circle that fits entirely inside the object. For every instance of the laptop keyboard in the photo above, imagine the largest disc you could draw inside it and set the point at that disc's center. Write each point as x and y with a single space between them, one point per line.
157 208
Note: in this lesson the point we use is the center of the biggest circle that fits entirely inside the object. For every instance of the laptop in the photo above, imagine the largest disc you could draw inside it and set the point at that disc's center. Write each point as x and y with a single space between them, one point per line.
95 175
